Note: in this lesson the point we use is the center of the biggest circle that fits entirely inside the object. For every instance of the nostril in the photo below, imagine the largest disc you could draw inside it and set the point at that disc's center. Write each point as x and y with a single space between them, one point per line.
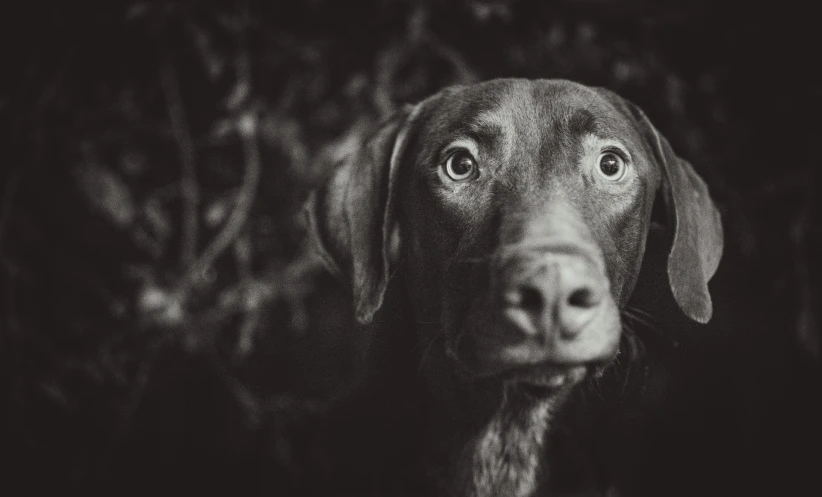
578 311
582 297
531 298
524 297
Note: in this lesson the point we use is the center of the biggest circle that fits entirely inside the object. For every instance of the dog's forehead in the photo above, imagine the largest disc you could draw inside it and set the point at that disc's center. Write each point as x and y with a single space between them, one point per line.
522 110
532 103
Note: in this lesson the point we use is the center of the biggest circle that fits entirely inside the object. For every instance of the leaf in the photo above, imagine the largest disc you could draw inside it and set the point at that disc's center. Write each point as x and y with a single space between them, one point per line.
106 193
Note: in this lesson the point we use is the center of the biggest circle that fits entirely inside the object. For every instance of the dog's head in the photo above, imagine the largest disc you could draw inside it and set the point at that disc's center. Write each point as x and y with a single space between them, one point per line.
518 211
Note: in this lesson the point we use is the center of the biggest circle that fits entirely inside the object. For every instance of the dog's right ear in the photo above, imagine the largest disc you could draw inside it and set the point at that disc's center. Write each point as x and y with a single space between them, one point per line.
351 216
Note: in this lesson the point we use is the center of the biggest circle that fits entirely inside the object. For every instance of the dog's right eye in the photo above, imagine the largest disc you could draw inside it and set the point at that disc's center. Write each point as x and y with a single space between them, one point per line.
461 166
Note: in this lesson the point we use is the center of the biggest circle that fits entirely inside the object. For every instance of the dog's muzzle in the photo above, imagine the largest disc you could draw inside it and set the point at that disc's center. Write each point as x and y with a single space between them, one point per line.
556 314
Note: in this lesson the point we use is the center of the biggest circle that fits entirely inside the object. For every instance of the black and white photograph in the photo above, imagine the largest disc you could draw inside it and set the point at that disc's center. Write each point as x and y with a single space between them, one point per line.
410 248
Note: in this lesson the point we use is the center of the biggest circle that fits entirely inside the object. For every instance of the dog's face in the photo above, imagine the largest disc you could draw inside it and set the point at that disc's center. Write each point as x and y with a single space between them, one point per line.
526 217
519 212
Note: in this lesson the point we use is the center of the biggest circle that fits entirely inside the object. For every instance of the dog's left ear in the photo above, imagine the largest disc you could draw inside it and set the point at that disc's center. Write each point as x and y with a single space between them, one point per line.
698 236
351 216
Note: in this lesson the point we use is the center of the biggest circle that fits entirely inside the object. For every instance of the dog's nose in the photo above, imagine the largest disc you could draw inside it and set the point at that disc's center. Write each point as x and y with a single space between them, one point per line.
561 296
560 306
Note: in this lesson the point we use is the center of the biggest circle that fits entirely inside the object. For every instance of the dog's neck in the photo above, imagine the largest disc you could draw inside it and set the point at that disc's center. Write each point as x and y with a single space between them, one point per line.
480 438
506 456
485 441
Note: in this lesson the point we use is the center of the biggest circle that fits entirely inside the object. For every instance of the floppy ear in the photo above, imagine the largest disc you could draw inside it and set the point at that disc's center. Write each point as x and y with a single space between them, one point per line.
698 237
351 218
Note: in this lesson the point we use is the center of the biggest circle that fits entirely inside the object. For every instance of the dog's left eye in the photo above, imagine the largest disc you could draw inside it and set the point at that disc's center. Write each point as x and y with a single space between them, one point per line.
461 166
611 166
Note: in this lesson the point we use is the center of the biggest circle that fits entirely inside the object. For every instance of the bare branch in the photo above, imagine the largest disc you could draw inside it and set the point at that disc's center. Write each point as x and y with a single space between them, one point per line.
247 129
464 73
139 388
188 181
245 198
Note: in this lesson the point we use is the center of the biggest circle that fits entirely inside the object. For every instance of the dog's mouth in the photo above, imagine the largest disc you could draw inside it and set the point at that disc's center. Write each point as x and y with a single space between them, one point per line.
543 381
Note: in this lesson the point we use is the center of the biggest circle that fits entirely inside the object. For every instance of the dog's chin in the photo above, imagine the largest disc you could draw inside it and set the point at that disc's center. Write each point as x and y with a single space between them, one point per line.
540 380
544 382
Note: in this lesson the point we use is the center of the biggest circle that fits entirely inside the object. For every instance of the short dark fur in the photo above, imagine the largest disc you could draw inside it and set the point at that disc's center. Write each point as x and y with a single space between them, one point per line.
537 214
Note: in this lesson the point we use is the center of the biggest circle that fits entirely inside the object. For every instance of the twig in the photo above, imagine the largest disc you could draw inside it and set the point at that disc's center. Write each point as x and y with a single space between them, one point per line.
417 36
188 180
386 69
49 93
388 62
465 74
245 198
248 402
251 318
247 129
132 403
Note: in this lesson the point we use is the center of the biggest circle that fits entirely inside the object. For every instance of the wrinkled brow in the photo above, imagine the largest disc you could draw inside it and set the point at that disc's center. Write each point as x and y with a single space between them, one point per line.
482 131
489 132
583 121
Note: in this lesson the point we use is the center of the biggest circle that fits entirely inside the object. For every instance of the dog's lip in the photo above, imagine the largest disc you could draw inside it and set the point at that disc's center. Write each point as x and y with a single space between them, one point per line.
544 380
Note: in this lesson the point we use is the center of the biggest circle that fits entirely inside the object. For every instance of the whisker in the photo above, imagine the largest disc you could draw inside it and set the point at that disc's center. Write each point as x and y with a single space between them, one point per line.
633 347
636 311
641 311
451 347
638 316
596 387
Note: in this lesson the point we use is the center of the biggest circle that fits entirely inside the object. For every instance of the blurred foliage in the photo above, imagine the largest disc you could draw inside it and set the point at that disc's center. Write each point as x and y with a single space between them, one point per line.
161 151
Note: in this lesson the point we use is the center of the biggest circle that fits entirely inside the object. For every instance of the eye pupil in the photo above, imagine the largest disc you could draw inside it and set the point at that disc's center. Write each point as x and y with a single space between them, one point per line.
463 165
609 165
460 166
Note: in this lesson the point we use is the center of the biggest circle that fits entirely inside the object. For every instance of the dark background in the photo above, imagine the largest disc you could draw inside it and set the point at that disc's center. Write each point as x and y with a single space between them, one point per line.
160 315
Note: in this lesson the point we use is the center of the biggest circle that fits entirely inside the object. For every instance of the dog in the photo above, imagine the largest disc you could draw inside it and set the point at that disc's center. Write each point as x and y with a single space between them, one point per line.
491 235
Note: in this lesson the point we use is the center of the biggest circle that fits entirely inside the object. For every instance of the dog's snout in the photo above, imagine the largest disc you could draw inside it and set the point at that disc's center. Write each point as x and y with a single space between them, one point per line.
559 295
559 304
